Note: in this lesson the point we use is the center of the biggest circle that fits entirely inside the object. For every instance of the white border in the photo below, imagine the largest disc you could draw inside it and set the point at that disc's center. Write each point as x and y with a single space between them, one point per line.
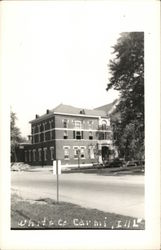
98 239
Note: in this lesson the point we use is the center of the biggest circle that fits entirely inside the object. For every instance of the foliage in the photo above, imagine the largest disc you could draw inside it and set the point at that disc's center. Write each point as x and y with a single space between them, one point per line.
15 135
127 70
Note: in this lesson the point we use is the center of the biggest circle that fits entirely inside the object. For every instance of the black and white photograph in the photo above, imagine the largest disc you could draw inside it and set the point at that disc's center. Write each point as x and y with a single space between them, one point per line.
81 167
76 78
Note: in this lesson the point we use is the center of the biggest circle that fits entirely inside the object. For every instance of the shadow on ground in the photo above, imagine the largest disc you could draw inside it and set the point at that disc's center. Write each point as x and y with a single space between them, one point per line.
108 171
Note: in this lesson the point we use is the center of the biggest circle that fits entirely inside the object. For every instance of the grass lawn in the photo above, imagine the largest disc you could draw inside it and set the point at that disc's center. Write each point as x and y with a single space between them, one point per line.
47 214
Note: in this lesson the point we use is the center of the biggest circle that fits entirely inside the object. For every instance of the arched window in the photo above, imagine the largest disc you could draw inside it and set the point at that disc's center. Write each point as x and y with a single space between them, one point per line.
104 124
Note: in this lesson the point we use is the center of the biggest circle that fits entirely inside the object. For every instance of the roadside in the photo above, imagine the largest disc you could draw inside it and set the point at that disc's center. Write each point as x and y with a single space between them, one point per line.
109 171
46 213
115 194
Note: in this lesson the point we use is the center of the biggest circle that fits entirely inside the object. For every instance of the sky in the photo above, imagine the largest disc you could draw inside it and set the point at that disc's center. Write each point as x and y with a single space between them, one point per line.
58 52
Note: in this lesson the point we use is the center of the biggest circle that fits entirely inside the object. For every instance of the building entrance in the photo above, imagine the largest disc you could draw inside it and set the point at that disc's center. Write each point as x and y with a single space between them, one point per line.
105 153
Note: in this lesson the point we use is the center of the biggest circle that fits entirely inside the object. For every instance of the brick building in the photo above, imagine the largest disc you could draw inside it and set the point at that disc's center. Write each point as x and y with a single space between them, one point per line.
73 135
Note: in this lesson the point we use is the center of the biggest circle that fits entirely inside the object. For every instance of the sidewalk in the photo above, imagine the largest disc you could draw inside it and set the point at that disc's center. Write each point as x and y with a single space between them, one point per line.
91 170
86 169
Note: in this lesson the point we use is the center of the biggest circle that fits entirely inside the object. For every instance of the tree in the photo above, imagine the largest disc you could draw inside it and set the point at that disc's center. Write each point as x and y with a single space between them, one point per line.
15 135
127 76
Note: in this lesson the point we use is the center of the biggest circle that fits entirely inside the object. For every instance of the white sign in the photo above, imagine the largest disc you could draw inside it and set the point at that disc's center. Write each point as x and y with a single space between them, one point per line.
57 169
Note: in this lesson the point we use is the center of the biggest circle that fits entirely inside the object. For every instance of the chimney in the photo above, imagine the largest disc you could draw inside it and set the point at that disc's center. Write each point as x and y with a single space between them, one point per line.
37 116
47 111
82 111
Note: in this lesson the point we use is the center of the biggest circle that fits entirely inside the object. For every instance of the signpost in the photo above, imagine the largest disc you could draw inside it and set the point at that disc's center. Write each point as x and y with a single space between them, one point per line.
57 172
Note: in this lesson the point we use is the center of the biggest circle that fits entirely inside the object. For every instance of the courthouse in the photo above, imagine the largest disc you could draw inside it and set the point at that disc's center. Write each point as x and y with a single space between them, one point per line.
73 135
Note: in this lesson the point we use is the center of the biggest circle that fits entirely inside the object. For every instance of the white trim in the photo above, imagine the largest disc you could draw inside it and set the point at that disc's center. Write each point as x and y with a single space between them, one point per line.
82 147
45 153
52 153
51 129
77 127
78 147
66 159
82 140
71 129
78 115
65 133
76 165
65 114
68 147
44 123
39 154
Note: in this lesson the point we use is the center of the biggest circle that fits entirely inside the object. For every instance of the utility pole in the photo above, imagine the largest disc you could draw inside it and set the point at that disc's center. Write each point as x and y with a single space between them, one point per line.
57 176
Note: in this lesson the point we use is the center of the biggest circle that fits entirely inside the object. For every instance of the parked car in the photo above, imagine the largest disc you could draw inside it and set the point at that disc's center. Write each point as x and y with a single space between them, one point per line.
130 164
113 163
134 163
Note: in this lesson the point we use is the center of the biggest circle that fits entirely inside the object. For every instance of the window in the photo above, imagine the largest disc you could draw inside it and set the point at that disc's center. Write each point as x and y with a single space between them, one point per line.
50 124
34 154
45 154
82 153
79 152
104 125
44 136
33 139
44 123
66 153
101 135
91 152
33 135
25 155
65 123
29 155
40 150
76 152
78 135
105 135
52 153
90 124
39 137
90 135
65 134
78 124
33 130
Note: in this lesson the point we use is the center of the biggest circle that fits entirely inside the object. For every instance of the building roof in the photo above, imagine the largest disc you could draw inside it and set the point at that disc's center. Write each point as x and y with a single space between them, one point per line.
67 109
73 110
108 108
